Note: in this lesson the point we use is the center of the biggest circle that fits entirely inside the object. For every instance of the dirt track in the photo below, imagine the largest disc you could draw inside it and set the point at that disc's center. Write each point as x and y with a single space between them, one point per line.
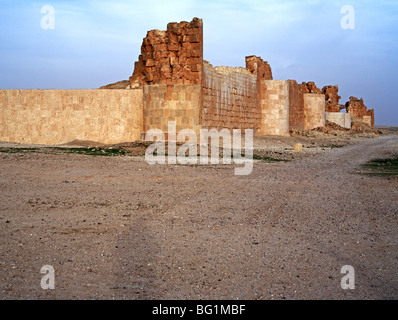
117 228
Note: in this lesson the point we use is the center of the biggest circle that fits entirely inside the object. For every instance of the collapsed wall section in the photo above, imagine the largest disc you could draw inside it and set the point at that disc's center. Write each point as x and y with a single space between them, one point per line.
229 99
259 67
332 98
359 111
310 87
60 116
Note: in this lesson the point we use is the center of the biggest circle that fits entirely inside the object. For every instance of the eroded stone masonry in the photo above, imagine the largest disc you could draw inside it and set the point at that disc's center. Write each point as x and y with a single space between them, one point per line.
190 91
172 82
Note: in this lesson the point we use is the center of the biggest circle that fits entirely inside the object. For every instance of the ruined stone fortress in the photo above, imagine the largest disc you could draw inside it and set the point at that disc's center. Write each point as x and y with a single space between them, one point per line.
172 82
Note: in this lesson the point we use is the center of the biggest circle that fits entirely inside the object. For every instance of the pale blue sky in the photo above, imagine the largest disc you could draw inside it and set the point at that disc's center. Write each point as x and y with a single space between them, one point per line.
97 42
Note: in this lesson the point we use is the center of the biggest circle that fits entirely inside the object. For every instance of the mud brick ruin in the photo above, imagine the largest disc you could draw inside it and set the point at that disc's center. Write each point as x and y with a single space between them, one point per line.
172 82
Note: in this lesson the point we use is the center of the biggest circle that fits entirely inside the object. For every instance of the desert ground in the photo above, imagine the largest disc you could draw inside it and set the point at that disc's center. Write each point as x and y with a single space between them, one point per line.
115 227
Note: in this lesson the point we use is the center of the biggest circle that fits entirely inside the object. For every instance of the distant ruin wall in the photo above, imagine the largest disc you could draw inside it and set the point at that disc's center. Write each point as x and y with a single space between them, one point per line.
314 110
367 120
371 113
60 116
348 120
229 99
332 98
274 102
359 111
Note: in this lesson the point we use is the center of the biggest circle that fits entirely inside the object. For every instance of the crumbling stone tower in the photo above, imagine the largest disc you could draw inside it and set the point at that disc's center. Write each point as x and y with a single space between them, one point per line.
359 111
180 86
171 57
170 71
332 98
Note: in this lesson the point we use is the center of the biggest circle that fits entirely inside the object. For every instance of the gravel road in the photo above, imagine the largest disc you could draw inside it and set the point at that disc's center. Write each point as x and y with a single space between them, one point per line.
118 228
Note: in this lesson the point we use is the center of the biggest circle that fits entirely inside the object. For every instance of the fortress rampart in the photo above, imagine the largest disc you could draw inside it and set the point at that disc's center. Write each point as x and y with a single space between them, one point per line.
172 82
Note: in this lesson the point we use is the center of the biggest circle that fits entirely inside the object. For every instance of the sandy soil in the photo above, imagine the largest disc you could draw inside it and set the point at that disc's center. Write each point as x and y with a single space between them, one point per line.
118 228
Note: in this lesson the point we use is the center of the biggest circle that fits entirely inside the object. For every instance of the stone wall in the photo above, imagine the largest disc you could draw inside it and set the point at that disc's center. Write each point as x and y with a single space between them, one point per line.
371 113
274 102
341 118
314 110
60 116
229 99
367 120
171 82
358 110
348 120
166 102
